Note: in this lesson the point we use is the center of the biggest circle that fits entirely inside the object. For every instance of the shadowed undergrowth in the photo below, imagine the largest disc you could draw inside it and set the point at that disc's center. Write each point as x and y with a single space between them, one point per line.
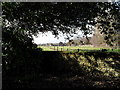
66 70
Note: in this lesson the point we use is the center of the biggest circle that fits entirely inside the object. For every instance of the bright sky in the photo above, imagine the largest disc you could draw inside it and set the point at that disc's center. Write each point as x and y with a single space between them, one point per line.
49 38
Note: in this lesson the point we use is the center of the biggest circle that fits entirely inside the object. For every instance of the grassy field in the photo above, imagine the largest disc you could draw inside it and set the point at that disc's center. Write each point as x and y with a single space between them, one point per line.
76 48
45 48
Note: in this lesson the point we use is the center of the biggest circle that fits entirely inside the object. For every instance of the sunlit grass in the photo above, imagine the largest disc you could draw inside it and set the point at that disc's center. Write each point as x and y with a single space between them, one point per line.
99 64
104 65
76 48
44 48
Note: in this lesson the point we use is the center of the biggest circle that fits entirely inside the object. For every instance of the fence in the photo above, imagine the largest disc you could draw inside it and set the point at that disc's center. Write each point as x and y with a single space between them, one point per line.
57 48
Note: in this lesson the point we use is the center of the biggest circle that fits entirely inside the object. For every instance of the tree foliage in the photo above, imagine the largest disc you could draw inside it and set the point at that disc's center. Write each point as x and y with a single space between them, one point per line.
32 18
108 23
35 17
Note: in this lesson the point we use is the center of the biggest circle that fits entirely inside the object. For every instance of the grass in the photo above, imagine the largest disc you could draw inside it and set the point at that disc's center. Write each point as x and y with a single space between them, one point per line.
75 48
100 64
114 50
45 48
93 62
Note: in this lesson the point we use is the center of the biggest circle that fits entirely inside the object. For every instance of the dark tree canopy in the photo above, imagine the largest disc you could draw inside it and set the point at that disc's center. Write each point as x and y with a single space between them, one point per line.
35 17
30 18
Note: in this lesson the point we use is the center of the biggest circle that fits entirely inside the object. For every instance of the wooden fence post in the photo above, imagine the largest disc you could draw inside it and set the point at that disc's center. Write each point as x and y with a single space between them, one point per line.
61 49
67 49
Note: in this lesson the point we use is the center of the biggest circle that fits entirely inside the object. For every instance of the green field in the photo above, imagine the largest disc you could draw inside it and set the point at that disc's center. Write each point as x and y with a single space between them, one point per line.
76 48
45 48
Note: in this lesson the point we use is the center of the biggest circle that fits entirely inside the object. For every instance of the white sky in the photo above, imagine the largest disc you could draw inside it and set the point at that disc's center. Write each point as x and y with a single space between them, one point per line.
49 38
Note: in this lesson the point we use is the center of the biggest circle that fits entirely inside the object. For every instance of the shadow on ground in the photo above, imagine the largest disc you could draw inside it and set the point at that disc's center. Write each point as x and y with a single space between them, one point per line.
64 70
